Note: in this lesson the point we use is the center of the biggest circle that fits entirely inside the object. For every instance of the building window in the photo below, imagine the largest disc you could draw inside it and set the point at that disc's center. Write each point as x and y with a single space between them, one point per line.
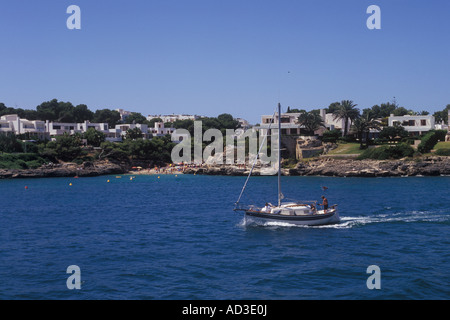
423 123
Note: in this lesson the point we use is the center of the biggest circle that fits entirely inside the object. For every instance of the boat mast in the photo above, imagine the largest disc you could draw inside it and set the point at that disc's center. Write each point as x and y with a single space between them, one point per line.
279 154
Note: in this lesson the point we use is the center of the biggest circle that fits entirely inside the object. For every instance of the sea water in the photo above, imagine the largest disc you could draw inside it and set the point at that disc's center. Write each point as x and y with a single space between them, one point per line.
177 237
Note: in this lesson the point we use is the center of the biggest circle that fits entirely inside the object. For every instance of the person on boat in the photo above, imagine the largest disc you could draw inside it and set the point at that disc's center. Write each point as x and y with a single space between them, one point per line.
267 208
324 204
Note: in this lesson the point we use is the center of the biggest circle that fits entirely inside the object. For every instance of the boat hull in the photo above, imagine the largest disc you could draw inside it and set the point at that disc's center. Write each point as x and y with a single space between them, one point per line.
331 217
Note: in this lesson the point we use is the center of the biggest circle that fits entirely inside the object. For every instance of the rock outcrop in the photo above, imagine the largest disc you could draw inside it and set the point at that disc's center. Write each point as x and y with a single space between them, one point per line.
427 166
87 169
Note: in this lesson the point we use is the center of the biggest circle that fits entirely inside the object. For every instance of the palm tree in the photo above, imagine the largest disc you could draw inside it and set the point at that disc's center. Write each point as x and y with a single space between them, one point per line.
363 124
346 111
311 121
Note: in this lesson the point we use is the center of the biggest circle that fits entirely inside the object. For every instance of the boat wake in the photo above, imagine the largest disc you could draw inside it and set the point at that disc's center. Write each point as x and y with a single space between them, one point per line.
348 222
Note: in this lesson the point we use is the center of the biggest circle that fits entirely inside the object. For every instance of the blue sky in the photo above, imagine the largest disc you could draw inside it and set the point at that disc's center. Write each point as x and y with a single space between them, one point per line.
209 57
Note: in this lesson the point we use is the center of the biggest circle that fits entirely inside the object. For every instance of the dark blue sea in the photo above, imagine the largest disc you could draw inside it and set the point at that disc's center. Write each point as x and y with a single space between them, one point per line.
177 237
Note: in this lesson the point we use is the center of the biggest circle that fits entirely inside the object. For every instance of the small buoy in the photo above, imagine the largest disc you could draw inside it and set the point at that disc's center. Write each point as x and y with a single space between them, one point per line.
26 187
107 180
158 177
70 184
176 175
131 178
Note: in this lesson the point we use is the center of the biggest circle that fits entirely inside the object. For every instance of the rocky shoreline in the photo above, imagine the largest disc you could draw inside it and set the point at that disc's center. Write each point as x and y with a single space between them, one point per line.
426 166
87 169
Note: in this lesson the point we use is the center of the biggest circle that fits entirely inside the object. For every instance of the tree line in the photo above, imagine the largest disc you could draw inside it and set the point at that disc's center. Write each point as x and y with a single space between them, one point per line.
60 111
362 122
18 154
21 153
66 112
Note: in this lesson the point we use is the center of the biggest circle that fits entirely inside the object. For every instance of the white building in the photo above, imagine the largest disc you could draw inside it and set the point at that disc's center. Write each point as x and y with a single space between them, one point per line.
331 123
5 126
124 127
173 117
289 123
123 114
160 130
243 123
177 136
14 124
47 129
415 125
113 135
59 128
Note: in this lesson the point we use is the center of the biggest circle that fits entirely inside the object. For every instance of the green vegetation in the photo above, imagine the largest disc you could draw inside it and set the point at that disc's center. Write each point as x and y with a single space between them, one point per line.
440 116
331 135
222 122
443 152
442 145
346 111
346 148
94 137
68 148
157 149
430 140
362 126
397 151
21 161
391 134
60 111
311 121
9 143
